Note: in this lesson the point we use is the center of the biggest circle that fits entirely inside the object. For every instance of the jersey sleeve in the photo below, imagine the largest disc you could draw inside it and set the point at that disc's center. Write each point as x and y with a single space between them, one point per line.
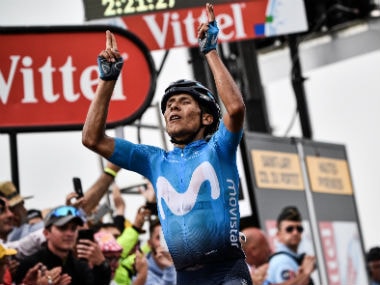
226 139
134 157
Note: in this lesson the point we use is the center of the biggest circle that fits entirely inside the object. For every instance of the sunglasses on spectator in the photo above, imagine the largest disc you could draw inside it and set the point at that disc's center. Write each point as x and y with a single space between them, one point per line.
290 229
67 211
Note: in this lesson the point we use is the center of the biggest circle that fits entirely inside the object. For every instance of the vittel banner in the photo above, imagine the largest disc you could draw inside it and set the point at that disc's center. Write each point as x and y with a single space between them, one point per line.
48 77
237 21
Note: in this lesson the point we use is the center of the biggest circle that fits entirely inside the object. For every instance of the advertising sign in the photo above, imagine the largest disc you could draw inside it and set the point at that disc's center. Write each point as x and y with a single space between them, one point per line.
276 174
335 212
329 175
314 177
237 21
48 77
277 170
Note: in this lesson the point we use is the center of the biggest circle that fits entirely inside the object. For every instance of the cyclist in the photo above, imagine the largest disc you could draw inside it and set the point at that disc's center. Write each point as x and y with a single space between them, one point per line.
196 183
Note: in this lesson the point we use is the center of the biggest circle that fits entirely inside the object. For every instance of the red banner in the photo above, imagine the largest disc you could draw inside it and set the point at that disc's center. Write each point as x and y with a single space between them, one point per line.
48 77
178 28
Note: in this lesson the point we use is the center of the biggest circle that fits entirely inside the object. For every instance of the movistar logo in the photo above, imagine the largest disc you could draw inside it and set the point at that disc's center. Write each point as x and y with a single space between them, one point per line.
182 203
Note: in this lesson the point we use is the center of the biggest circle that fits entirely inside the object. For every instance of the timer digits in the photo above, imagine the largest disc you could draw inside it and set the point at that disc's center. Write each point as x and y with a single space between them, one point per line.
127 7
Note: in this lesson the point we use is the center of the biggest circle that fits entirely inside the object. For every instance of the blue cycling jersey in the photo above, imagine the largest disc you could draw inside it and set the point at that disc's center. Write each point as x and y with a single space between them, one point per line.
197 191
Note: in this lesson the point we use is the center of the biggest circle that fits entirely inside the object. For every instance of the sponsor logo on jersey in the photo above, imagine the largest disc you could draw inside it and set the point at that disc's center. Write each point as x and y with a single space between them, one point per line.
182 203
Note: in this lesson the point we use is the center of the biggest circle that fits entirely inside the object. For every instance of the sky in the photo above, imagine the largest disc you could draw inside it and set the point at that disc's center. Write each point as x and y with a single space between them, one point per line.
343 103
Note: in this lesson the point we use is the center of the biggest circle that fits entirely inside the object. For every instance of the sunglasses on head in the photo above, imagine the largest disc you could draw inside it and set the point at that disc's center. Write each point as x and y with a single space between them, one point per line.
290 229
67 211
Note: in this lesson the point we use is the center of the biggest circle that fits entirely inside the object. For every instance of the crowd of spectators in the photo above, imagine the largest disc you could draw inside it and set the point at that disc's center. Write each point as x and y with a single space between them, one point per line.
72 244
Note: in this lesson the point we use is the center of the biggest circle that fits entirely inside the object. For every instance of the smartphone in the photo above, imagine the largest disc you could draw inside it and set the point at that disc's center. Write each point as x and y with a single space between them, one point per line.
78 186
152 207
86 234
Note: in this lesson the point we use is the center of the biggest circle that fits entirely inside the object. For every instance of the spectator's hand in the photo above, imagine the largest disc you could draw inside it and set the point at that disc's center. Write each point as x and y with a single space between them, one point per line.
259 274
33 274
91 251
142 215
65 279
141 267
51 276
306 268
72 199
308 264
163 257
38 275
148 192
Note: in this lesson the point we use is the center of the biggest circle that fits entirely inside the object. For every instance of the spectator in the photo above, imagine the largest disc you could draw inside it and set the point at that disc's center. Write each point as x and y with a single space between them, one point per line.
129 241
6 219
112 252
256 247
286 263
161 269
257 251
110 249
129 270
111 228
16 203
197 183
34 216
61 230
373 265
31 243
6 226
5 275
132 265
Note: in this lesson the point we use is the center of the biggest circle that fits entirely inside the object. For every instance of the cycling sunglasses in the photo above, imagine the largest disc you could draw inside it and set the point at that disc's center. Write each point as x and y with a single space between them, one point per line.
65 211
290 229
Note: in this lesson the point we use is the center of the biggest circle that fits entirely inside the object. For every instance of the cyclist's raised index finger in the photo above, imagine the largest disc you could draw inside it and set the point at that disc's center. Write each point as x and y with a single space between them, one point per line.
108 40
113 42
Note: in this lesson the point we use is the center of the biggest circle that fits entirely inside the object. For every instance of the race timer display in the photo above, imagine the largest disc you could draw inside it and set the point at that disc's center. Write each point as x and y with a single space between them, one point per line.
114 8
96 9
